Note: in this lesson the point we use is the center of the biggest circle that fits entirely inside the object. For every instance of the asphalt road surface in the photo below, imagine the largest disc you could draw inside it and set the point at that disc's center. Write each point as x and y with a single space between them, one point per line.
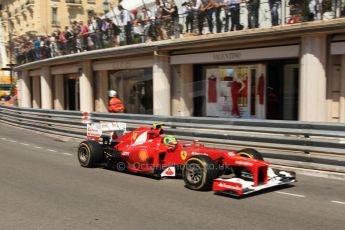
42 186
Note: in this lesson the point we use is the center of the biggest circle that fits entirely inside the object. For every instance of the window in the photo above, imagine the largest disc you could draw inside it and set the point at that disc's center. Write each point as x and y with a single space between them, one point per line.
54 16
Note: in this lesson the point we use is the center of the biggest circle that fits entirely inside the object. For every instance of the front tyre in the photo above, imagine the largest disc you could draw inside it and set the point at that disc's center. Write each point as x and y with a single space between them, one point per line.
198 173
250 153
90 154
242 172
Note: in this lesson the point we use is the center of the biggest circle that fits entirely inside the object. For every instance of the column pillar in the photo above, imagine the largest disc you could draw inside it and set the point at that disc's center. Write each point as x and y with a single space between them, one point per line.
102 91
182 90
59 96
25 90
342 90
312 102
86 87
46 88
36 92
161 84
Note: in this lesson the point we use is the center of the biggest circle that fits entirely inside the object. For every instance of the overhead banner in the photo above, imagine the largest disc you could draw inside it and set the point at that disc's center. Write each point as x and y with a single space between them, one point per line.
237 55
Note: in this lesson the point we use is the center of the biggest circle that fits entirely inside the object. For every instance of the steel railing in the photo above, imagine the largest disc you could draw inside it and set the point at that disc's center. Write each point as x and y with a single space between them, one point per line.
299 144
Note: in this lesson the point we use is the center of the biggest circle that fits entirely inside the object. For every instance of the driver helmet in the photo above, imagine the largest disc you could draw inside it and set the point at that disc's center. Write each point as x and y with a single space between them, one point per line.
112 93
168 139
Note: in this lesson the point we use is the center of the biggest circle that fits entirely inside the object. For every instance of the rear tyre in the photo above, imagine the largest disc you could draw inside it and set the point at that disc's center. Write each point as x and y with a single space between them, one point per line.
90 154
198 173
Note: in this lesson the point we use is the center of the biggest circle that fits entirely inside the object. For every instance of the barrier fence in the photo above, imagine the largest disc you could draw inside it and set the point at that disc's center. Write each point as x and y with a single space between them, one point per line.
291 143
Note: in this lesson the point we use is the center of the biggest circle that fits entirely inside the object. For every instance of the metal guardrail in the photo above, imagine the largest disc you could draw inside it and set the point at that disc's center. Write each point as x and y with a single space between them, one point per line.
292 143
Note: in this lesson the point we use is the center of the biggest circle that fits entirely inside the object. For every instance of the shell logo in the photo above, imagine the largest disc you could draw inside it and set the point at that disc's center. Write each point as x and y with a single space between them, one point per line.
143 155
183 155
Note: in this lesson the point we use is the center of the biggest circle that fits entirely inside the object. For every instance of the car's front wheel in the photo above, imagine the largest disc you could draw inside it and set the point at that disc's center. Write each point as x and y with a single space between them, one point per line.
198 173
90 154
242 172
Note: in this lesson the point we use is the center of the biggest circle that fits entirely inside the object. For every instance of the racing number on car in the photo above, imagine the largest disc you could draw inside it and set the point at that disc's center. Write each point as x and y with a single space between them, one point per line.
183 155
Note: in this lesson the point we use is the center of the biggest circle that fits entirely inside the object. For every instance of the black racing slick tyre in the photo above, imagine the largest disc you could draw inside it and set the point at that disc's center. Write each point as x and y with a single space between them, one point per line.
198 173
250 153
90 154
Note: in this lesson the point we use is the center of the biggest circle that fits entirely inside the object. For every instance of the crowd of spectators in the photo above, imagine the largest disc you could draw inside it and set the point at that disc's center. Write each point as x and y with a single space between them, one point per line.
160 22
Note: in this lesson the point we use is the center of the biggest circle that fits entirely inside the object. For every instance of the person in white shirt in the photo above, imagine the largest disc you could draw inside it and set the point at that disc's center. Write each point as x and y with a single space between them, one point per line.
144 18
125 24
188 11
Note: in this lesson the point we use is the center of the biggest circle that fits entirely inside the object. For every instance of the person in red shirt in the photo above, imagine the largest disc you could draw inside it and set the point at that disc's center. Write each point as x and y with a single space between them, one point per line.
115 104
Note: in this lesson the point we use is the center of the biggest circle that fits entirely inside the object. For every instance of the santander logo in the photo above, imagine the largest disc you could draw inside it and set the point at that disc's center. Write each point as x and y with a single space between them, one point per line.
244 163
238 188
169 172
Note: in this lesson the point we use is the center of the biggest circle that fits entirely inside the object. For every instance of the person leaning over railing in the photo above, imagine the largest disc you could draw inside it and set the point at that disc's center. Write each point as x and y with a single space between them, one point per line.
68 36
158 31
114 33
296 11
206 11
218 6
173 18
188 11
83 36
274 5
105 31
253 13
98 33
53 46
167 19
144 20
233 7
125 24
138 32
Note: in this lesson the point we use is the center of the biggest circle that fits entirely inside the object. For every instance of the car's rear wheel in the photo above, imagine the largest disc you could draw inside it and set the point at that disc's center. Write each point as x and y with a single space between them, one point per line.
198 173
90 154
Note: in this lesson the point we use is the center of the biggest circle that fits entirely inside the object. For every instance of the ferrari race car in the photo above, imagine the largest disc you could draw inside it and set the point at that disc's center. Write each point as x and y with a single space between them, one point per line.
148 150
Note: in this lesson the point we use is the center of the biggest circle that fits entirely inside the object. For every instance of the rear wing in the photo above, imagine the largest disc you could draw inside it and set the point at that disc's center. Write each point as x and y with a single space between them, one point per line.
98 129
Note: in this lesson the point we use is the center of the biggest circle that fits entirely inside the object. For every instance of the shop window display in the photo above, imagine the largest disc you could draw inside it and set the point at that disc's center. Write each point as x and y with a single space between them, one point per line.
134 88
234 91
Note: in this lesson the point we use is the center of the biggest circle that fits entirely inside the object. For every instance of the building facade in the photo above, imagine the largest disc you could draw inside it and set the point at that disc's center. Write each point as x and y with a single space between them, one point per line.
292 72
22 19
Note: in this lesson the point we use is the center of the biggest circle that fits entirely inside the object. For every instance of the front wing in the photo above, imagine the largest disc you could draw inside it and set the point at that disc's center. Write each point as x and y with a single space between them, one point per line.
239 187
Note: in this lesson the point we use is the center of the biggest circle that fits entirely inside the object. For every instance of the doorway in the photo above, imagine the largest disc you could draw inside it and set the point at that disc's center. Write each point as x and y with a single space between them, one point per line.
282 91
72 93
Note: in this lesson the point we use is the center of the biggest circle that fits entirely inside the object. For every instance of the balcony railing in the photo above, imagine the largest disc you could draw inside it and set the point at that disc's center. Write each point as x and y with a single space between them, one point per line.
74 2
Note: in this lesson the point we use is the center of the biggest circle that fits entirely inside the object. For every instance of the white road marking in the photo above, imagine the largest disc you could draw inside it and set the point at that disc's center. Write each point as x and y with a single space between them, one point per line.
290 194
38 147
23 143
3 138
337 202
68 154
13 141
51 150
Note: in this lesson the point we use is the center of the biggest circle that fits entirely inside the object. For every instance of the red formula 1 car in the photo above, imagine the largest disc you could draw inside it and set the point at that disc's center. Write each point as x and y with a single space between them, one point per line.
147 150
